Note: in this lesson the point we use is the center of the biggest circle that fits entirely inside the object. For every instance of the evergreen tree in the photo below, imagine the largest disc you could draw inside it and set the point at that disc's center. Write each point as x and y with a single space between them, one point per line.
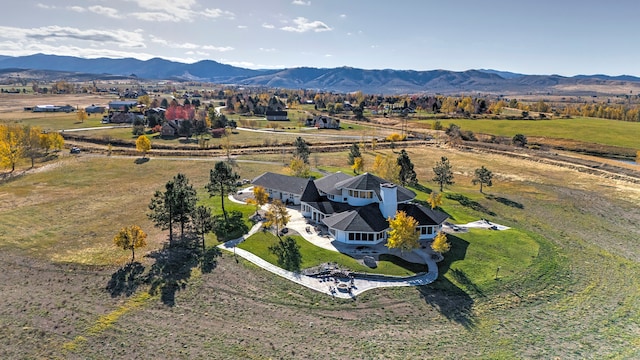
407 174
222 181
354 152
443 173
482 176
302 149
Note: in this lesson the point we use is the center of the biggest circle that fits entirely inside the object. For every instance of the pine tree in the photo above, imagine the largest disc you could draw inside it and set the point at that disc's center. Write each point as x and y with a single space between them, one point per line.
407 175
482 176
354 152
443 173
302 149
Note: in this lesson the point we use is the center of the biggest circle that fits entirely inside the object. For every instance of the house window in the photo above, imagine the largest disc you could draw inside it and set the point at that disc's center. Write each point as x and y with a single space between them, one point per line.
370 237
351 237
430 230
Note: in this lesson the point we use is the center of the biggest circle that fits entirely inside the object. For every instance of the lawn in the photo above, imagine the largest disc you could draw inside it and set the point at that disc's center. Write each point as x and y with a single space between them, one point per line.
312 255
592 130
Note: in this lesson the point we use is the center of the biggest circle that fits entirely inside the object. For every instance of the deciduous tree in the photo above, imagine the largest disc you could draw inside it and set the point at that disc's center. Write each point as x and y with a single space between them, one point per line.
277 215
11 145
143 145
482 176
260 197
443 173
403 234
358 165
81 115
222 181
440 243
387 168
434 199
519 140
32 144
298 168
131 238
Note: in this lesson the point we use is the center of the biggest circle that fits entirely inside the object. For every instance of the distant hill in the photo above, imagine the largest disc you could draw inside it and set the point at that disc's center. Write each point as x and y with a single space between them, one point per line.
342 79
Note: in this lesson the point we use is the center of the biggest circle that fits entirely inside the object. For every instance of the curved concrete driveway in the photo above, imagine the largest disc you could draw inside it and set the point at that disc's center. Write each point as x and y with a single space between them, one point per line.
360 285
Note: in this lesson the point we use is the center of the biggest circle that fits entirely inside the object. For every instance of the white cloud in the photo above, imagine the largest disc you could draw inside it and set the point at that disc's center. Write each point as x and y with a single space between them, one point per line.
79 9
301 2
121 38
106 11
267 49
175 11
188 45
304 25
44 6
342 16
242 26
268 26
215 13
217 48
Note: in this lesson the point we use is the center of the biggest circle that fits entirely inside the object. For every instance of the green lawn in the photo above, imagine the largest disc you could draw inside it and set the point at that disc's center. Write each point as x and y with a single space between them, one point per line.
312 255
592 130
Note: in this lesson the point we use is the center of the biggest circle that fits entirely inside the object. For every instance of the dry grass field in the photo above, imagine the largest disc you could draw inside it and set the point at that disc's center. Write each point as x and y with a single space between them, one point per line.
568 284
575 298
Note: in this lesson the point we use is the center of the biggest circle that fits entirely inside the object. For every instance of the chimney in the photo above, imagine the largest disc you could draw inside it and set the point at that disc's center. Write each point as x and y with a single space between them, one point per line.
389 200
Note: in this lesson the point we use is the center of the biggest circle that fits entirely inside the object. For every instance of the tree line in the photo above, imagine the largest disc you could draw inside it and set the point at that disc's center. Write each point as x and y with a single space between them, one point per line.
26 142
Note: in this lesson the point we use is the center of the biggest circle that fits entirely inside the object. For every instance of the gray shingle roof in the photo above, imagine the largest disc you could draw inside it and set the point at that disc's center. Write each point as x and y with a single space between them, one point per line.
310 193
283 183
371 182
423 215
328 183
361 219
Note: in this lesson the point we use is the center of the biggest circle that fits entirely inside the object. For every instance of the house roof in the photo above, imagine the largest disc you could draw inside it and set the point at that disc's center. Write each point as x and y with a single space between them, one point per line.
310 193
327 183
361 219
283 183
423 215
329 207
371 182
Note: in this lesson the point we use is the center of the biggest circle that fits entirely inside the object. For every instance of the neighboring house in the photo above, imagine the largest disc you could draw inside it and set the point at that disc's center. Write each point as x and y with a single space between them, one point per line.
125 117
170 128
93 109
354 209
122 106
324 122
53 108
276 115
287 189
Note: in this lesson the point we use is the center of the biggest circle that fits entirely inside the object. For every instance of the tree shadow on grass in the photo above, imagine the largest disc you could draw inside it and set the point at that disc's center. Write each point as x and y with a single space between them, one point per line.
172 269
209 259
451 301
472 204
126 280
505 201
140 161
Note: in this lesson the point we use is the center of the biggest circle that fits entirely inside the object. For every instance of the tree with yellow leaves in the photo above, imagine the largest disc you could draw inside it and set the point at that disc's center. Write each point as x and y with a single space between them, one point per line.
277 215
387 168
131 238
299 168
260 197
81 115
403 234
358 164
11 145
434 199
143 145
440 243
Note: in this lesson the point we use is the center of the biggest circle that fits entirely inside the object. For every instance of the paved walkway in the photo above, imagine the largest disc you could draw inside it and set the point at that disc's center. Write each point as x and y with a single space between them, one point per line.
330 287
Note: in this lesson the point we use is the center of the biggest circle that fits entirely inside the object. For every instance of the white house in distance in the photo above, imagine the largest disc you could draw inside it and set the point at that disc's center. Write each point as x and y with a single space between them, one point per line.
354 209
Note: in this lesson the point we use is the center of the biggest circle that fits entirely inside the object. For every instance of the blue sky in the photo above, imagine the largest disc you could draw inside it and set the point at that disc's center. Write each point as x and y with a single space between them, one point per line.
531 37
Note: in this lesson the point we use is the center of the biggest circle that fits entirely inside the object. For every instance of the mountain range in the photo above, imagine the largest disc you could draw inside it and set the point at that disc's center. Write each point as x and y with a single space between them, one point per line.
342 79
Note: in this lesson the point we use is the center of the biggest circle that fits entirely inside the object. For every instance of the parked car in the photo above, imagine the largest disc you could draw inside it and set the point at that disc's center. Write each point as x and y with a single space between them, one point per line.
75 150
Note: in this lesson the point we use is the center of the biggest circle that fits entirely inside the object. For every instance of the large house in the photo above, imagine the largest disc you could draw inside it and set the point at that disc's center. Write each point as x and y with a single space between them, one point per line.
354 209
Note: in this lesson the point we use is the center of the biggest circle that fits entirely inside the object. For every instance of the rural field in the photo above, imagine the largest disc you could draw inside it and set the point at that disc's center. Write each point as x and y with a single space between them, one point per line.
563 283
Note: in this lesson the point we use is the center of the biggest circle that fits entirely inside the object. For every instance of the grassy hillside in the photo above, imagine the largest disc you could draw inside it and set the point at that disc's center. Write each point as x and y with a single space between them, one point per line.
566 286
